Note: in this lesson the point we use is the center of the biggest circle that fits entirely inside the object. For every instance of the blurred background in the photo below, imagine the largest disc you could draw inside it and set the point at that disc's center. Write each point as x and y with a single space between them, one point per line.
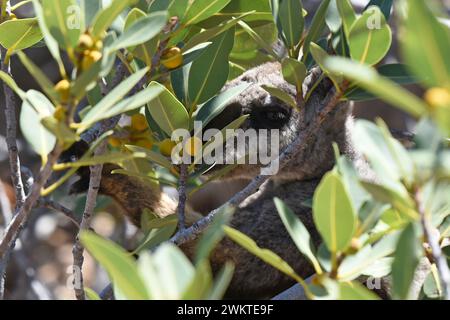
41 266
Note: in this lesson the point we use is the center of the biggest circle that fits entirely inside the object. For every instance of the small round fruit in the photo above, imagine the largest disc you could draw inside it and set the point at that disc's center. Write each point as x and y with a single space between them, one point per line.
85 41
63 89
144 143
166 146
12 16
193 146
438 97
139 122
60 113
115 142
90 57
98 45
172 58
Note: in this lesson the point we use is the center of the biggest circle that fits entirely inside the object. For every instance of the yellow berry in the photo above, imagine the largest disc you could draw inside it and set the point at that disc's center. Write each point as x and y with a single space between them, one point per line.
90 57
63 89
98 45
193 146
60 113
172 58
85 41
115 142
12 16
139 122
437 97
166 146
144 143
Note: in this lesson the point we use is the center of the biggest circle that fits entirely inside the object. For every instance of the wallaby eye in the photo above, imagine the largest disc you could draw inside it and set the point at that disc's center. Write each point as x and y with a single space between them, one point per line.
270 117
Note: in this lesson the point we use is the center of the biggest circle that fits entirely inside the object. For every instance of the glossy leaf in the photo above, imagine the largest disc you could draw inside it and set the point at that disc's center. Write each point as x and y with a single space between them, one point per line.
106 17
298 232
316 28
36 107
426 45
282 95
370 37
141 31
167 111
385 89
216 106
120 266
333 213
208 75
63 24
20 34
355 291
202 9
291 21
347 14
406 259
294 72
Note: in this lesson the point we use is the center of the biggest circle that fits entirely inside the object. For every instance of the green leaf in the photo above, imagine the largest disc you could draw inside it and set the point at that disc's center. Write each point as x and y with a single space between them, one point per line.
208 75
12 84
167 272
213 235
266 255
157 236
426 45
222 282
208 34
360 263
396 72
406 260
355 291
282 95
347 14
36 107
144 51
368 79
333 18
152 156
20 34
298 233
316 28
63 24
141 31
121 267
216 106
40 77
294 72
60 130
333 213
91 294
200 10
320 56
387 157
117 94
167 111
104 18
90 9
291 21
370 37
258 40
51 43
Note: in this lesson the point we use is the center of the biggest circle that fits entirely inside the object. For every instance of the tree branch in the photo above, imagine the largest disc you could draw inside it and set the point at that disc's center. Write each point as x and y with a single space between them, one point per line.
91 201
49 204
433 240
182 197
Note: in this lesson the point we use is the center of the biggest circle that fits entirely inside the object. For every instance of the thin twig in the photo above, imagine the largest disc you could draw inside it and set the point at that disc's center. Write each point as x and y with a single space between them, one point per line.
433 240
49 204
11 131
91 201
182 197
13 229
